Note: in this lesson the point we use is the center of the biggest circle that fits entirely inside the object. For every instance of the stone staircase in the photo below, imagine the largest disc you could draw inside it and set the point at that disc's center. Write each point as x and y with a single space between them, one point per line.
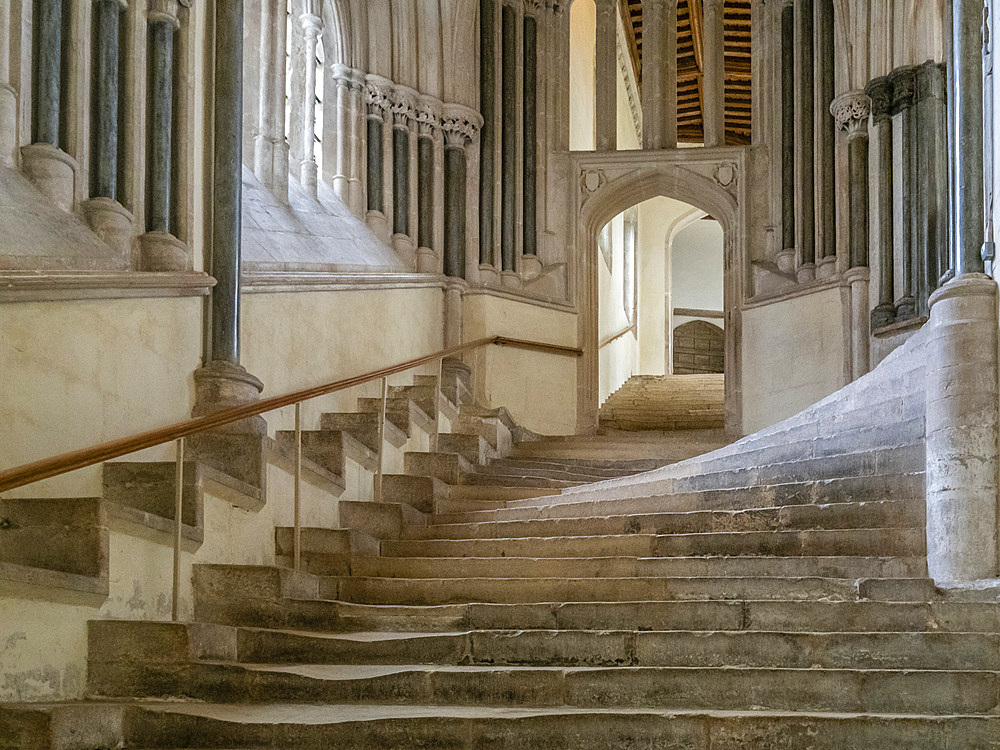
666 402
772 593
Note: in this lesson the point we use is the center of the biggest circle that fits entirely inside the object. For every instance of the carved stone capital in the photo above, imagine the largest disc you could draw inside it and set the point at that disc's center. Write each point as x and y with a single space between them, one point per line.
879 90
460 125
851 110
904 83
403 106
378 95
428 115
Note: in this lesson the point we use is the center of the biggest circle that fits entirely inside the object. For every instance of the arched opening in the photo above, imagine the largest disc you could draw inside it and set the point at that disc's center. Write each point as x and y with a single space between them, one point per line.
695 305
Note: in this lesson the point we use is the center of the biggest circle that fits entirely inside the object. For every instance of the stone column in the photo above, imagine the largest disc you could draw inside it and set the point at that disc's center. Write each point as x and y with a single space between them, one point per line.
851 111
428 122
826 203
312 29
342 137
270 159
529 245
966 111
44 162
902 81
653 102
714 63
377 102
359 145
8 97
606 76
880 93
457 139
805 224
508 146
403 112
786 256
160 250
670 74
487 104
961 356
105 215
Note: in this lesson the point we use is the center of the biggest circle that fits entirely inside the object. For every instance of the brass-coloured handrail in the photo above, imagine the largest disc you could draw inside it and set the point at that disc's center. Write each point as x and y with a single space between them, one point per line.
36 471
615 337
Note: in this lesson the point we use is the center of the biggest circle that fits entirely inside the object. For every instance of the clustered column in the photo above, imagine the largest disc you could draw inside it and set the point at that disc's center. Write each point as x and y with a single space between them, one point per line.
270 148
805 225
880 93
312 29
659 74
377 101
851 113
825 141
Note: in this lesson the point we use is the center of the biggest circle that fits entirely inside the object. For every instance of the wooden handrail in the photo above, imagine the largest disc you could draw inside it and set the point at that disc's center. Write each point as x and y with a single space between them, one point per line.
47 468
616 336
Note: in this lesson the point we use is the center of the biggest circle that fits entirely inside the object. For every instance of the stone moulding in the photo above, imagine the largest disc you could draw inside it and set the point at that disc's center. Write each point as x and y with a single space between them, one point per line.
31 286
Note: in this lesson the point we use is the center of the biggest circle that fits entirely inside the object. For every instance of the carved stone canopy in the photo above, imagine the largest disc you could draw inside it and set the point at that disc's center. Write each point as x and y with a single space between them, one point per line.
851 110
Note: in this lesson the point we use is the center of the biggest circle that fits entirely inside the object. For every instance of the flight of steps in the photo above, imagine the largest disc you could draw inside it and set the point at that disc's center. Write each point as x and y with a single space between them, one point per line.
770 594
666 402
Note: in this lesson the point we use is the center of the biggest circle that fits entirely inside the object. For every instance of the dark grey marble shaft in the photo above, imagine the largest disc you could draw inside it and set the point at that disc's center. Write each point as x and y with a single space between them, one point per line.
104 170
400 180
161 107
966 110
857 167
454 200
787 128
47 54
530 108
376 200
827 130
902 80
880 93
425 191
805 231
227 183
487 142
508 147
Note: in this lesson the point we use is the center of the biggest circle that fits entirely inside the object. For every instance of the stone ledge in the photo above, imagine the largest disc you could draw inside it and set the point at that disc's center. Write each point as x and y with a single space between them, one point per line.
901 326
51 286
799 291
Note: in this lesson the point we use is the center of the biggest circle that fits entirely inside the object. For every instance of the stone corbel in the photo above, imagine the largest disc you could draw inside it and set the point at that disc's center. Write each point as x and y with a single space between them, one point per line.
851 111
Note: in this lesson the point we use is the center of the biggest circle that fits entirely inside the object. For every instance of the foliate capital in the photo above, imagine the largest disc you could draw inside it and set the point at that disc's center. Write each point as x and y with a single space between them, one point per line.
460 125
851 110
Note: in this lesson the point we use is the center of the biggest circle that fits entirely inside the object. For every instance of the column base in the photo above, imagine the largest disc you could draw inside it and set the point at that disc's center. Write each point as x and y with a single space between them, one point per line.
160 251
52 171
488 275
510 279
112 222
309 177
961 428
379 226
827 267
427 261
453 312
531 267
8 125
906 308
405 248
785 260
860 334
805 273
238 449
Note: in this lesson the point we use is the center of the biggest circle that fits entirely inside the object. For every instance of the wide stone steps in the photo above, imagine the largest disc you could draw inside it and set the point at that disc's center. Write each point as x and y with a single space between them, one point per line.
694 648
372 590
935 692
624 567
878 514
856 541
393 727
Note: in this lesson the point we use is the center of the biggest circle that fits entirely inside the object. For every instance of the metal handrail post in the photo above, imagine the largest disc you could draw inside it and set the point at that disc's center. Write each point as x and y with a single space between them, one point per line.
178 529
437 405
297 510
379 467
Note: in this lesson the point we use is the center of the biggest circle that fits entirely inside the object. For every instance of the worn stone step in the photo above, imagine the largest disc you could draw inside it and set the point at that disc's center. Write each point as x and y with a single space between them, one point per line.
567 473
526 590
763 614
730 688
446 467
499 480
473 447
883 542
678 648
401 411
878 514
623 567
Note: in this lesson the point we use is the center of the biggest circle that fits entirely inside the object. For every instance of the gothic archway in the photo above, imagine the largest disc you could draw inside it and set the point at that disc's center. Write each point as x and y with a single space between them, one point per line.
608 183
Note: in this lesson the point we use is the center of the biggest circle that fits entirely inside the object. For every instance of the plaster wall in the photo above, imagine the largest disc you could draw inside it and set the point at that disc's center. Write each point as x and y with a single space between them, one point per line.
538 389
655 218
619 359
696 257
582 43
793 356
76 373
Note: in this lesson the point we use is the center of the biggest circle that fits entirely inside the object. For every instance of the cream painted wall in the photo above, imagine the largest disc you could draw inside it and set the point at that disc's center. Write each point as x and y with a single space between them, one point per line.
538 389
619 359
793 356
696 258
582 43
77 373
